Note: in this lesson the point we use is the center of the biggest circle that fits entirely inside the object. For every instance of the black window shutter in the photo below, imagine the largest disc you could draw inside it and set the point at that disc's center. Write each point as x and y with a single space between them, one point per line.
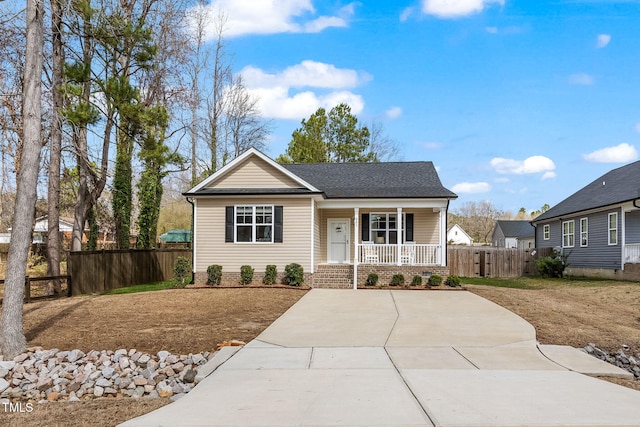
365 228
228 224
409 228
277 224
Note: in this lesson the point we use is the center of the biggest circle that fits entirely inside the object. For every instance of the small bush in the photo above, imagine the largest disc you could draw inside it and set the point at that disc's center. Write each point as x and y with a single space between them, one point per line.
417 280
214 274
435 280
452 281
270 274
246 274
181 270
397 280
372 279
552 266
294 275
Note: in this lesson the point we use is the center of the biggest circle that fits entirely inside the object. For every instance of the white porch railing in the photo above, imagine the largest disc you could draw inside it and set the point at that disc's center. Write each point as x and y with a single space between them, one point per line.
632 253
413 254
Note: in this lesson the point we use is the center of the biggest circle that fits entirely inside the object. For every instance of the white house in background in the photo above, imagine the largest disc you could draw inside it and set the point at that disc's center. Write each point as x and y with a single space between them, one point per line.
457 236
512 234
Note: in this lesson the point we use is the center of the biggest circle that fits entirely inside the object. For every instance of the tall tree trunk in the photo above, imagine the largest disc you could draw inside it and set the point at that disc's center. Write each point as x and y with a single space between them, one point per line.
12 339
55 146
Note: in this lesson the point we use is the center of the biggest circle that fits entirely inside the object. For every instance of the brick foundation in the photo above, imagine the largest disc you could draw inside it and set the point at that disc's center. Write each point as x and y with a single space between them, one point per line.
233 278
386 272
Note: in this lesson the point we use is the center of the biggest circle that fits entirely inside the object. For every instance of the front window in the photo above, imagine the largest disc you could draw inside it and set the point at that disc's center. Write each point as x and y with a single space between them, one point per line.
613 228
546 232
568 234
384 228
584 232
254 224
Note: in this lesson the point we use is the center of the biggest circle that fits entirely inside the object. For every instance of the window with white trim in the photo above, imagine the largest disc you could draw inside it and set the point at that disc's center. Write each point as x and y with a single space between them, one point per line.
384 227
568 236
584 232
253 224
546 232
613 228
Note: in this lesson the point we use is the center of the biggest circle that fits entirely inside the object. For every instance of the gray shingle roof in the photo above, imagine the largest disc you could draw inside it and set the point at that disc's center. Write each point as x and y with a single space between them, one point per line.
617 186
367 180
519 229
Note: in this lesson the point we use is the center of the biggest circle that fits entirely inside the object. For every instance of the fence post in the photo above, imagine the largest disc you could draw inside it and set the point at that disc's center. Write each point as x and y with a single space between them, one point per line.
69 291
27 289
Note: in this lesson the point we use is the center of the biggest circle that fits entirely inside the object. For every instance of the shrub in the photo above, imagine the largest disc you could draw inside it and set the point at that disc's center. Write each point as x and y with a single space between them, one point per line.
417 280
270 274
553 265
435 280
397 280
246 274
214 274
181 270
452 281
294 274
372 279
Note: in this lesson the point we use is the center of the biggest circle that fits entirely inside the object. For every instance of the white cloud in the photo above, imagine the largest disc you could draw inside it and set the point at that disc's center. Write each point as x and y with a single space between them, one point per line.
530 165
471 187
638 127
548 175
491 30
581 79
406 14
619 154
455 8
270 17
393 112
603 40
277 96
501 180
431 145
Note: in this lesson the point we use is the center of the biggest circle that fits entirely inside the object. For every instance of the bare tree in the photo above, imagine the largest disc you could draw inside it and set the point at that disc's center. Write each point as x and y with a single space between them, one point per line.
54 245
12 339
244 126
478 219
386 148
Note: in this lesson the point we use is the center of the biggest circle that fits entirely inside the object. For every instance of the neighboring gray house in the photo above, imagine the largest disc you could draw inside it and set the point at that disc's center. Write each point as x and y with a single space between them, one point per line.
598 226
513 234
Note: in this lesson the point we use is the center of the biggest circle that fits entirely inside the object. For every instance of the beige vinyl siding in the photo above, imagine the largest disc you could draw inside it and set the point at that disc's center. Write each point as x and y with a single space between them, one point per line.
211 247
255 173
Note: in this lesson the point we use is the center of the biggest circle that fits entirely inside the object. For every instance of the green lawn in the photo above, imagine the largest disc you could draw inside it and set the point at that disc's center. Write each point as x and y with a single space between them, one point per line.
142 288
540 282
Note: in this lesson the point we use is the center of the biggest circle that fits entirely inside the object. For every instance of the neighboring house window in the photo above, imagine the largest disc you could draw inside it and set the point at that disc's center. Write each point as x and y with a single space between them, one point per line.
254 224
568 234
613 228
546 232
584 232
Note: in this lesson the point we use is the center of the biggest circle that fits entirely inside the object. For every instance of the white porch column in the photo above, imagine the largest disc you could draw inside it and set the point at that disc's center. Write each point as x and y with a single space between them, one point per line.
313 234
356 246
399 242
443 237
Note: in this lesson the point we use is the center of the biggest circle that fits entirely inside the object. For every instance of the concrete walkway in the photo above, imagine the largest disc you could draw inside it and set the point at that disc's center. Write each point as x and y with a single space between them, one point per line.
401 358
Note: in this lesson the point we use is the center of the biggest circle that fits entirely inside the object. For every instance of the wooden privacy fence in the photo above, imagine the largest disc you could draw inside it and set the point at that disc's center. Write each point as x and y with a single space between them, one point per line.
493 262
101 271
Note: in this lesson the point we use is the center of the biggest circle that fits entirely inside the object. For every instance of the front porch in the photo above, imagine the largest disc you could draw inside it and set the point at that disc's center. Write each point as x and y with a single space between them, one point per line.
341 276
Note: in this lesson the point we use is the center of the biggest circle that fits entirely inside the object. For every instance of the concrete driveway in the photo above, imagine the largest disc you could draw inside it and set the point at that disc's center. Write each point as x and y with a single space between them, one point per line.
401 358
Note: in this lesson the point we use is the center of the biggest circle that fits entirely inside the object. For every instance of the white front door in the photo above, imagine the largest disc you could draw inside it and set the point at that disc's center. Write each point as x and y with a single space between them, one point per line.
338 233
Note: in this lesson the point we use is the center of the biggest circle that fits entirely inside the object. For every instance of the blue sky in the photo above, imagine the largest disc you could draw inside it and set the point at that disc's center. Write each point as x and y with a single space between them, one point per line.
517 102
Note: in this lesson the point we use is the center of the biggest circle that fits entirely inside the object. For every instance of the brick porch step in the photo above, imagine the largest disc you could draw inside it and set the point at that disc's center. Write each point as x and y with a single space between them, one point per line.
333 276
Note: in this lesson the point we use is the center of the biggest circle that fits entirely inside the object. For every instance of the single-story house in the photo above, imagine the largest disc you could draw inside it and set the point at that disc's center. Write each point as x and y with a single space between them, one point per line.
339 221
598 227
513 234
457 236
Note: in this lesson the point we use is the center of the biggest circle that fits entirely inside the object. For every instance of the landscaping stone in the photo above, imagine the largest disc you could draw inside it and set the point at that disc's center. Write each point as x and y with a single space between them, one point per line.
619 358
51 375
